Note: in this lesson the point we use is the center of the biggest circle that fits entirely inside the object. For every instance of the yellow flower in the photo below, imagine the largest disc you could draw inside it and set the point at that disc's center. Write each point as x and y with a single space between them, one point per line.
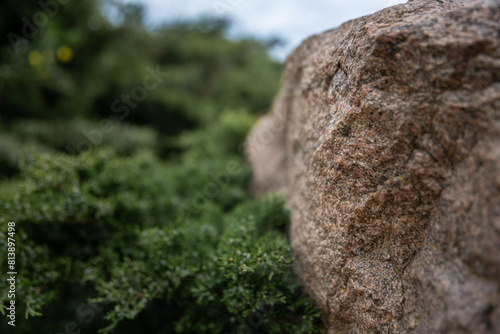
35 58
64 54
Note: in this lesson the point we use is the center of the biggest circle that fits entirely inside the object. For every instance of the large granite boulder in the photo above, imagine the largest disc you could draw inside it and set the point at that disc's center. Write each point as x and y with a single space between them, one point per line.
385 139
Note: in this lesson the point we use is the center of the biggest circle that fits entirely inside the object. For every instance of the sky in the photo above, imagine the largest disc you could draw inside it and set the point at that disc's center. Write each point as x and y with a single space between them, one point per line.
291 20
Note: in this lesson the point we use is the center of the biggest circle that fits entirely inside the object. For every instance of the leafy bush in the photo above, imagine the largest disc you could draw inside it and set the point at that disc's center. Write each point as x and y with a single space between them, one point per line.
226 268
77 135
10 154
143 225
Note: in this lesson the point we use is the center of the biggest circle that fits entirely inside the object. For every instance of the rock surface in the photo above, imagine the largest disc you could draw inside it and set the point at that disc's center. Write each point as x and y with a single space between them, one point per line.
385 138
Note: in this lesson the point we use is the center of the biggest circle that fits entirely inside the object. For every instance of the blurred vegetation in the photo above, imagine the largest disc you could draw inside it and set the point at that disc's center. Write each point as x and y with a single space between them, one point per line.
121 164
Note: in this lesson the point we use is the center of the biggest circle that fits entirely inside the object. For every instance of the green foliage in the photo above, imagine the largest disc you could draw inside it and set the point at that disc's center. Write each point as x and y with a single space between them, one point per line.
43 272
10 154
144 224
220 280
206 71
216 271
68 136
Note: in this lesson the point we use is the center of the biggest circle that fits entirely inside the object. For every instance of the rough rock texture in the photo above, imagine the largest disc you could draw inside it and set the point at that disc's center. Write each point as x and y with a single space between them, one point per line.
385 139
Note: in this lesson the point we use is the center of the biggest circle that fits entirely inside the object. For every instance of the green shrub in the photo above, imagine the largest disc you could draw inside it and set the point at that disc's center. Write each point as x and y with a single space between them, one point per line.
77 135
10 155
107 224
147 227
